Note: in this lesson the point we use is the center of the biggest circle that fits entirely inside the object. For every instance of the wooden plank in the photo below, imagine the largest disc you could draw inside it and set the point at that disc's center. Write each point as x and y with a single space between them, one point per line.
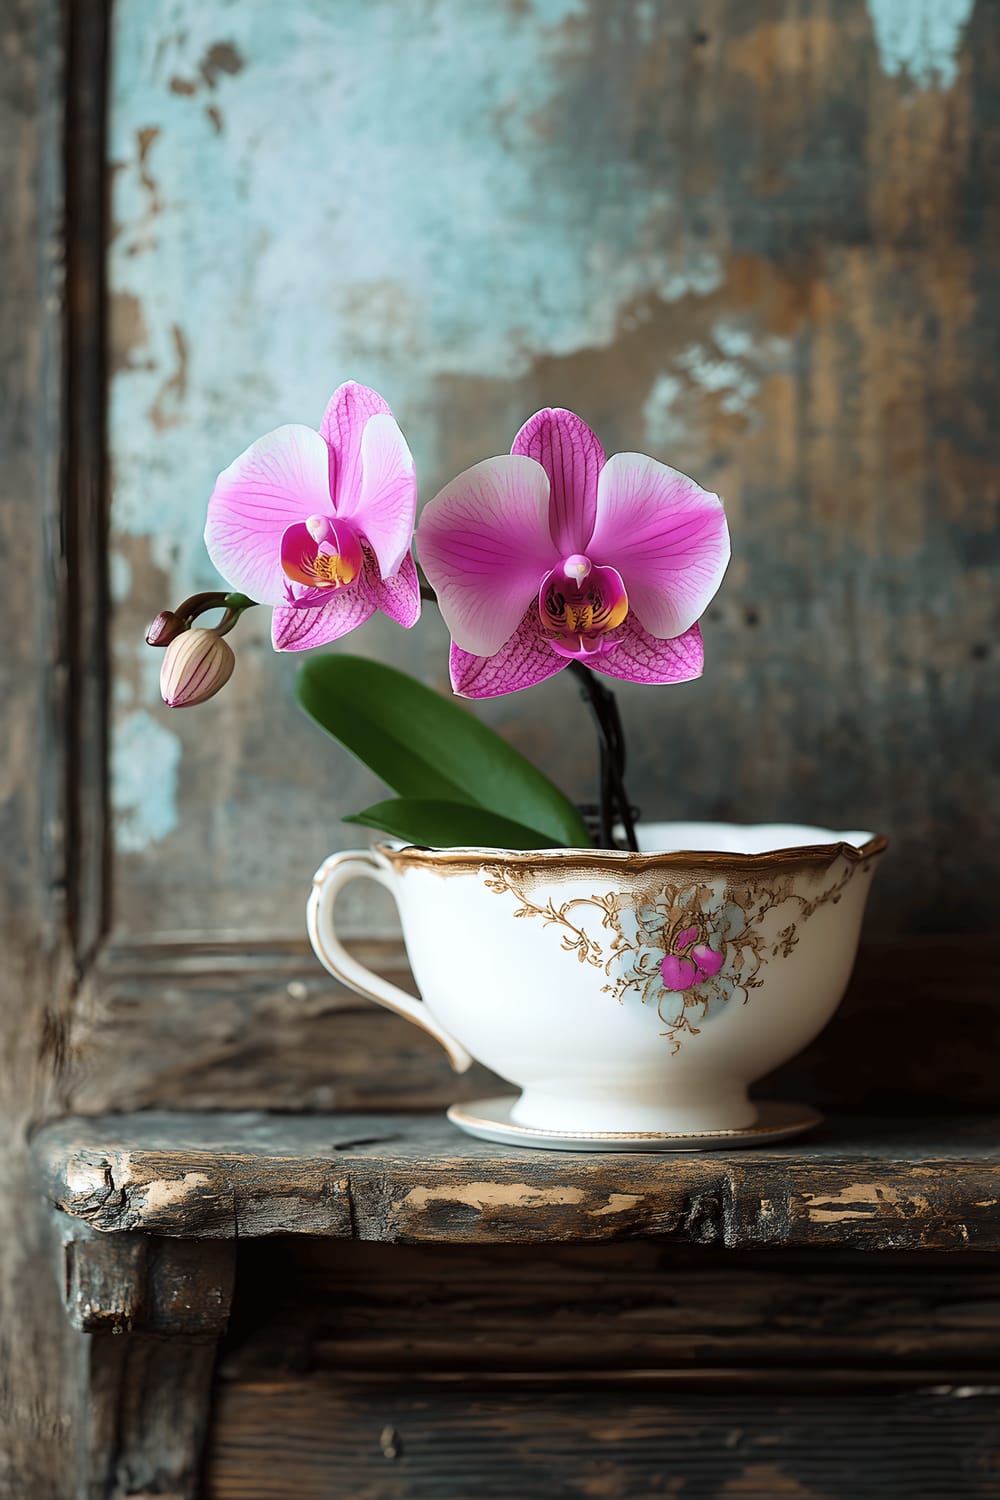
123 1283
355 1310
146 1415
45 679
84 498
234 1024
209 1026
150 1314
319 1439
878 1185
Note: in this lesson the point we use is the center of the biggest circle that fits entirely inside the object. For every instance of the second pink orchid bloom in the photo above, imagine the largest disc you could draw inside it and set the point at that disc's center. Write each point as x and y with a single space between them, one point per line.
554 553
320 524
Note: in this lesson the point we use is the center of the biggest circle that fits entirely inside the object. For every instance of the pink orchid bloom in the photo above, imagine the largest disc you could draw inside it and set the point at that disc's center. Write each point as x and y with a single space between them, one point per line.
553 553
320 524
700 962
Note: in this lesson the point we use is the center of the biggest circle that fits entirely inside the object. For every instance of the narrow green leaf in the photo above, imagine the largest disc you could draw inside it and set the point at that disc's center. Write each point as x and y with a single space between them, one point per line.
425 746
436 824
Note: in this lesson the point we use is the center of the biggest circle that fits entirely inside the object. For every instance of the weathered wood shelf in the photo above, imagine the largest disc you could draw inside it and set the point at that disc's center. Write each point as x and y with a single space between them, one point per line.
873 1184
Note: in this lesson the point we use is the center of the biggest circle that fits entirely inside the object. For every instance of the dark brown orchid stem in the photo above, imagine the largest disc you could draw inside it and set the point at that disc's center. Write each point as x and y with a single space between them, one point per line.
235 606
199 604
170 623
614 803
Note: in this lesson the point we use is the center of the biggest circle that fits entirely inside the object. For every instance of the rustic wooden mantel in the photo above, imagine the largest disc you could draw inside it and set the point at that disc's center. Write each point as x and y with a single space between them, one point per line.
880 1185
391 1248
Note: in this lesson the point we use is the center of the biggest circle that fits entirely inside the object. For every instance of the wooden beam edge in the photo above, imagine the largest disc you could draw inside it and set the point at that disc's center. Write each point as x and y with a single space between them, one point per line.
733 1200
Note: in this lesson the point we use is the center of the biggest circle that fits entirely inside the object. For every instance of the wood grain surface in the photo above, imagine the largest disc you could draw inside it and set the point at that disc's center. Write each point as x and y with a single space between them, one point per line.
878 1185
630 1369
50 782
362 1311
146 1416
320 1438
243 1026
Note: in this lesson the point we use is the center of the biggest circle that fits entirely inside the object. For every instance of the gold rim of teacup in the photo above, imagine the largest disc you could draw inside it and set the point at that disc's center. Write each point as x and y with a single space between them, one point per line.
552 860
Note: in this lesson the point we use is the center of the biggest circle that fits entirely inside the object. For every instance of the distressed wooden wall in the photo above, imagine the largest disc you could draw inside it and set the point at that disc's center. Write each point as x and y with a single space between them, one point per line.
51 745
756 240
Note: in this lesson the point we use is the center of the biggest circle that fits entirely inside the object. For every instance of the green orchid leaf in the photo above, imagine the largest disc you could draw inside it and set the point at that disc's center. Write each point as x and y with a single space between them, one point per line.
436 824
425 747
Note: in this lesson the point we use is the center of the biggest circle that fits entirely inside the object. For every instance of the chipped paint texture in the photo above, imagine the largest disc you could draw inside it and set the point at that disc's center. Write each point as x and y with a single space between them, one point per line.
920 38
393 222
748 239
492 1195
730 366
120 576
301 194
144 765
166 1191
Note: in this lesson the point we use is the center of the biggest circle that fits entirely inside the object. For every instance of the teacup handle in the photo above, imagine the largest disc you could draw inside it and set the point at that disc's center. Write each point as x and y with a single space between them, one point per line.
331 877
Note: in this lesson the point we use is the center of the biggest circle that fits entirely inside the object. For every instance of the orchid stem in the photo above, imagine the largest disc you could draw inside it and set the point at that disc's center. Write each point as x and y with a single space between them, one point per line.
614 803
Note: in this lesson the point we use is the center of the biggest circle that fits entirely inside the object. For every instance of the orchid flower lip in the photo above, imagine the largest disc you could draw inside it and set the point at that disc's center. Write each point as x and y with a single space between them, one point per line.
581 606
321 553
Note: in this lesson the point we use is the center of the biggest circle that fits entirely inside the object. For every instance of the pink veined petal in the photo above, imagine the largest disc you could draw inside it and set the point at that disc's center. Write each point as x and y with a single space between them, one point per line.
677 973
384 506
399 597
640 657
667 537
347 411
572 456
683 938
524 660
280 479
709 962
484 544
300 629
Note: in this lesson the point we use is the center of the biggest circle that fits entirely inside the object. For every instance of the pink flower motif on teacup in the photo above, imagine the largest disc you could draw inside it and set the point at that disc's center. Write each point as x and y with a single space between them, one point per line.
690 962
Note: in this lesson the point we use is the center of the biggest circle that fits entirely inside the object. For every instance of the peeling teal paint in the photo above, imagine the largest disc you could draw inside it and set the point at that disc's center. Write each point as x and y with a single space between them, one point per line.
120 576
411 196
731 364
306 193
144 765
920 38
663 426
727 378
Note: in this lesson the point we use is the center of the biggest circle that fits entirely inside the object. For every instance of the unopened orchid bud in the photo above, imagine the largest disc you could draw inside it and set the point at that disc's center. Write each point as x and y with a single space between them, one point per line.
166 627
196 665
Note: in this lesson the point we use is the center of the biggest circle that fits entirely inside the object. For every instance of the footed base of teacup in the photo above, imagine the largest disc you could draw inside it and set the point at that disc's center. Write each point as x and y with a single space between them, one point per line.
602 1113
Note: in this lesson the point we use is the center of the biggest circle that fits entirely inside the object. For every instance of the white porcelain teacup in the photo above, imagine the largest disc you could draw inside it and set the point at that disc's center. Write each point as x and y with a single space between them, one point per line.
620 992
